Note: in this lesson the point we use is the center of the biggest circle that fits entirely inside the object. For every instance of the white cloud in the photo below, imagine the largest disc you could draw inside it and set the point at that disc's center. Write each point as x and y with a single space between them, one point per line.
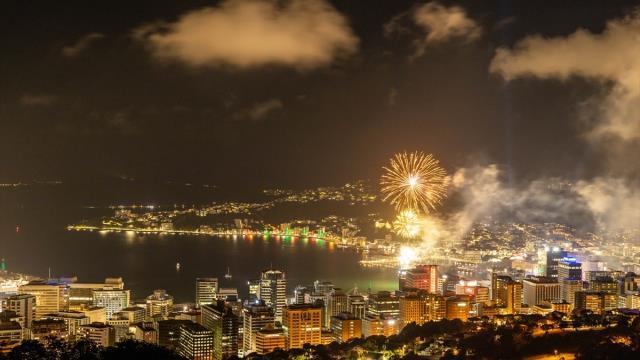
81 45
438 24
612 57
302 34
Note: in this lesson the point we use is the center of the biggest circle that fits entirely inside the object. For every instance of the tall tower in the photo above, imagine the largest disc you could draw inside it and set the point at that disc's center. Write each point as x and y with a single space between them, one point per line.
273 290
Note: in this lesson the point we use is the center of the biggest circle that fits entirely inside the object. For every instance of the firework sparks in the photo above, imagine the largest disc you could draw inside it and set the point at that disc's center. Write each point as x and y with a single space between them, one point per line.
407 224
414 181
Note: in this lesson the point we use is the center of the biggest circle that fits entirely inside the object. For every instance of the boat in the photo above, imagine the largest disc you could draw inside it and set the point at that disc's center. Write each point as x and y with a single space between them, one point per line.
228 274
178 266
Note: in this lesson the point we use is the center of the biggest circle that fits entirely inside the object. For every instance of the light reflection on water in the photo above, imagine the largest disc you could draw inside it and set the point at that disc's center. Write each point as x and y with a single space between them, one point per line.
148 261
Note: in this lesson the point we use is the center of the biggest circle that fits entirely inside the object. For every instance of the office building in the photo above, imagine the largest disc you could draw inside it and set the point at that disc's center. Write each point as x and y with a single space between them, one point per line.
596 301
554 255
168 332
133 314
95 314
477 294
111 299
604 284
422 277
420 307
273 291
357 306
144 332
457 307
72 319
569 268
302 324
337 302
346 326
23 305
506 293
384 303
44 330
81 294
206 290
254 289
256 316
196 342
568 289
378 325
99 333
159 304
539 289
220 319
50 297
270 339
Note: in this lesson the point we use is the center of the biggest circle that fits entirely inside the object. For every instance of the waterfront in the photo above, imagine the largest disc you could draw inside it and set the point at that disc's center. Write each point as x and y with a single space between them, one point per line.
148 261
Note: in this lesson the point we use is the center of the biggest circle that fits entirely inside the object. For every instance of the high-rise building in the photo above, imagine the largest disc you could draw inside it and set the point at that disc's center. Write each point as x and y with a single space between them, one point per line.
506 293
273 290
254 289
50 297
101 334
23 305
568 289
196 342
302 324
346 326
554 255
337 302
112 300
159 304
256 316
569 268
270 339
206 290
423 277
540 289
225 326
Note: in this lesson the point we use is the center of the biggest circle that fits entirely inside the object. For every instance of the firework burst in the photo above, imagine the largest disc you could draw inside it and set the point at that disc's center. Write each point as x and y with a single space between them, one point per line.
414 181
407 224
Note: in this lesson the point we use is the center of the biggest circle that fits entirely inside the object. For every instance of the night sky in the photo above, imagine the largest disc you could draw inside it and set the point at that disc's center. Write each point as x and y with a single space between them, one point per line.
311 92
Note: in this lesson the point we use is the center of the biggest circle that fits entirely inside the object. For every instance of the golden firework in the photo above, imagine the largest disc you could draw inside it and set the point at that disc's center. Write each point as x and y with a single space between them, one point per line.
414 181
407 224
